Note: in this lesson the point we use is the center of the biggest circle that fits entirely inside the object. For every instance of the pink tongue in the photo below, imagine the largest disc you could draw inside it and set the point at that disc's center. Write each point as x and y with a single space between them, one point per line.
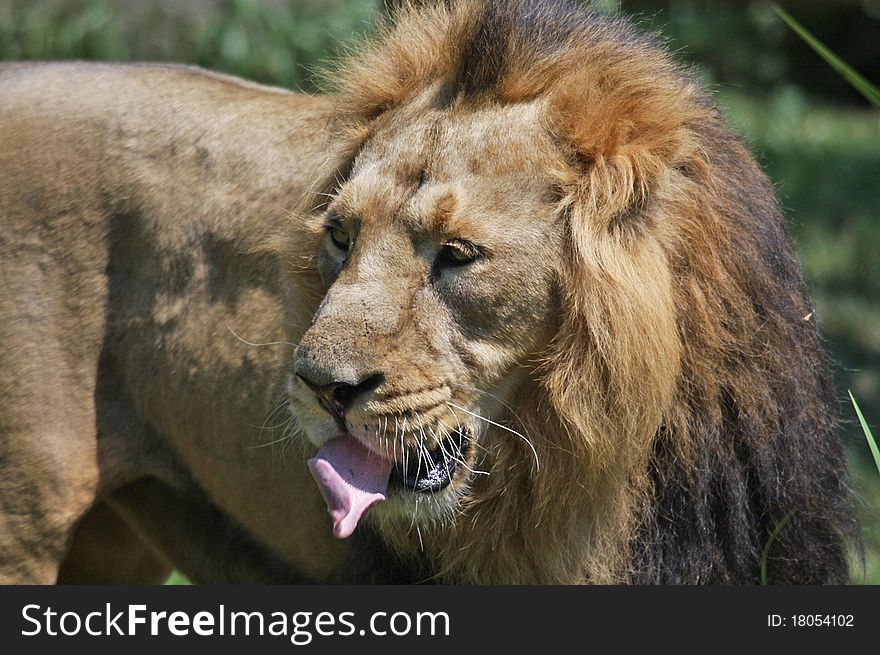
352 479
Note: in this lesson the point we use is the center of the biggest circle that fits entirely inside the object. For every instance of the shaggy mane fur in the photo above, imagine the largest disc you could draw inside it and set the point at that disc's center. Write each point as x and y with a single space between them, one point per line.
683 410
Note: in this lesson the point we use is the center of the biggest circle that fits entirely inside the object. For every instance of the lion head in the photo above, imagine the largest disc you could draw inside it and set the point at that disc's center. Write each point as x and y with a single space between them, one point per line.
545 273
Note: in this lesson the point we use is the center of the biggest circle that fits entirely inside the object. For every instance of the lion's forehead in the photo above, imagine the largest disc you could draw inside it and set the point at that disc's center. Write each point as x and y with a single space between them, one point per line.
508 141
455 172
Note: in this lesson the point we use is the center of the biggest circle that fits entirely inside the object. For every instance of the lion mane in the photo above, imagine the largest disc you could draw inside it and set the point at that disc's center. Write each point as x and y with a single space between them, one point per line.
684 407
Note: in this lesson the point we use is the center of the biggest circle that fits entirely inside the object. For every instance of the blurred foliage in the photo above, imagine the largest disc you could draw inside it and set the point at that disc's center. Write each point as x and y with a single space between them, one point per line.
812 133
267 41
743 44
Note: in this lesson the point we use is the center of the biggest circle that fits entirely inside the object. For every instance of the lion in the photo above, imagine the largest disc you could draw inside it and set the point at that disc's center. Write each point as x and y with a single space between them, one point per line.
511 303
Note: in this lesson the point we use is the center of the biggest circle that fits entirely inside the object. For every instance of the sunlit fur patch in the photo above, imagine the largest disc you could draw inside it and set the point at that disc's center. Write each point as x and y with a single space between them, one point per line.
403 403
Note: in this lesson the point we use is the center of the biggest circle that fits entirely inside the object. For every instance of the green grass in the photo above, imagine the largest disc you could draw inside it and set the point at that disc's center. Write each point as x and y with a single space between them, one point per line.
868 434
870 92
177 578
765 554
867 486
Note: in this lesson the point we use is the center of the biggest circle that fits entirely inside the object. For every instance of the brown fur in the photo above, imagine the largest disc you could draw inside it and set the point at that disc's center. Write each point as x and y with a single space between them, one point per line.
131 196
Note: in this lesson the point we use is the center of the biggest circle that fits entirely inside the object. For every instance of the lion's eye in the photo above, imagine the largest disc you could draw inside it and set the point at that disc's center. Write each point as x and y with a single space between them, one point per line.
458 253
339 237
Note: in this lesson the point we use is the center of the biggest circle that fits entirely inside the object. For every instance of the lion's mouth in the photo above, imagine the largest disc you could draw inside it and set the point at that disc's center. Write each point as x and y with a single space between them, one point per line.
352 478
431 471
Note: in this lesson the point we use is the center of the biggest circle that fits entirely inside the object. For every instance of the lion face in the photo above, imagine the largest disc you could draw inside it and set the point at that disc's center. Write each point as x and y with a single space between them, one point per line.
439 258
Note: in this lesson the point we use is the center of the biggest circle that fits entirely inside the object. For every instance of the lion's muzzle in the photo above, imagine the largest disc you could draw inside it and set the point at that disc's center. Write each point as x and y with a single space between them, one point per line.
352 478
337 395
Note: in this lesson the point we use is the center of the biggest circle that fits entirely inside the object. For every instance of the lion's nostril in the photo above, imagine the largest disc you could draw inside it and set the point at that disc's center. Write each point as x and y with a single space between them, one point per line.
339 396
344 394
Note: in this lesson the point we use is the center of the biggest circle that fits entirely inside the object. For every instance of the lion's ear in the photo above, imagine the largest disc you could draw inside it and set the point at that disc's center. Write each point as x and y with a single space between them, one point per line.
625 134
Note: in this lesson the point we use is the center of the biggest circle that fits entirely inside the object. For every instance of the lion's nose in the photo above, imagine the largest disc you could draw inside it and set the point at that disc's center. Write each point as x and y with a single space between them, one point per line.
338 396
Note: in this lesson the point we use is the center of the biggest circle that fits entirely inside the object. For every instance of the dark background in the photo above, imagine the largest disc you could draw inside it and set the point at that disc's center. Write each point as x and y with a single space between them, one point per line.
481 619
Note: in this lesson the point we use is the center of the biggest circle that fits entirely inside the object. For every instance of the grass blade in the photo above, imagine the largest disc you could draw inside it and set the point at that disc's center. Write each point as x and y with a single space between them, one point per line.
765 555
863 86
872 444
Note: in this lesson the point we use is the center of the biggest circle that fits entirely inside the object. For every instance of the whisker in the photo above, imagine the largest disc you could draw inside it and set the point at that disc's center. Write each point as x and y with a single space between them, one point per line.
418 454
497 399
461 425
439 443
446 456
503 427
251 343
423 449
461 458
281 439
287 436
280 406
394 440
